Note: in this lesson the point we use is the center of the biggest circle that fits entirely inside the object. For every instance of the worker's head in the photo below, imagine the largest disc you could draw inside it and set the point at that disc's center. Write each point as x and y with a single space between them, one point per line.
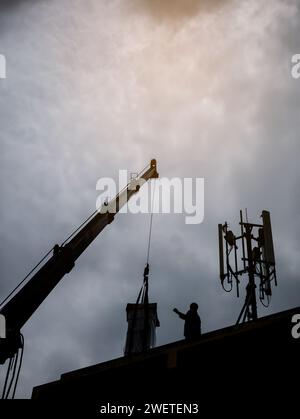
194 307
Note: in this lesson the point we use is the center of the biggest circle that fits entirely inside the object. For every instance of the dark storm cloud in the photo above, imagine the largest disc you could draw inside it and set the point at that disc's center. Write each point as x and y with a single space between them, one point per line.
11 4
97 86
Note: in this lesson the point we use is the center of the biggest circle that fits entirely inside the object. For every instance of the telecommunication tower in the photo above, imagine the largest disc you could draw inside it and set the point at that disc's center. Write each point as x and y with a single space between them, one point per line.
258 261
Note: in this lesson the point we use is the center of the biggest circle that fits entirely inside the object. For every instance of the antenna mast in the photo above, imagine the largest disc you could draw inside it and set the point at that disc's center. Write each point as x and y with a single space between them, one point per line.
257 261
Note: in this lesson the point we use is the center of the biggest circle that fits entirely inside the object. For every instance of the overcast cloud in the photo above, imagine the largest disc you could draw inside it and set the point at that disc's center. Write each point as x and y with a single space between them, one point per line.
97 86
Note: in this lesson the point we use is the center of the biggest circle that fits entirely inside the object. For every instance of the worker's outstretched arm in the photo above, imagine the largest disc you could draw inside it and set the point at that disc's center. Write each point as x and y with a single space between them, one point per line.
181 315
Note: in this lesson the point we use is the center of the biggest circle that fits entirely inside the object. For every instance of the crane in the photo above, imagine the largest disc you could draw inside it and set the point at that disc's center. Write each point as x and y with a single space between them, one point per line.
18 309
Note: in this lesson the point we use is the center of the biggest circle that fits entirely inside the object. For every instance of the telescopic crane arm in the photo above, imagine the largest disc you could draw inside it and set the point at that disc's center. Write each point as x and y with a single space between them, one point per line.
25 302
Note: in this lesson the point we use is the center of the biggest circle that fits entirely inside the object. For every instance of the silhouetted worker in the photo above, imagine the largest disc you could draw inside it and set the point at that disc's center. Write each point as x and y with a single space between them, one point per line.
192 324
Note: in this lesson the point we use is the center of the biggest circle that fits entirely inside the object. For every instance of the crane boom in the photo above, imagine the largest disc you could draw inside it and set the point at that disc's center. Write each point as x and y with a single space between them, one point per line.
25 302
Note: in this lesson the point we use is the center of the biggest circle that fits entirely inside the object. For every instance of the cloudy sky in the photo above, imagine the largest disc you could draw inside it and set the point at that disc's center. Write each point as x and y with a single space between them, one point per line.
94 86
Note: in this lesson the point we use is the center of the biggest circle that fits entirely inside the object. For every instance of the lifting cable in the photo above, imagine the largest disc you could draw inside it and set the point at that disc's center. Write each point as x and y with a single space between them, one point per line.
143 294
151 224
144 290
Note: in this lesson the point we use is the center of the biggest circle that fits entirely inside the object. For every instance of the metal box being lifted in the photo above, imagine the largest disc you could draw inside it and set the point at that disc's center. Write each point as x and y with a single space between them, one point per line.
142 323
